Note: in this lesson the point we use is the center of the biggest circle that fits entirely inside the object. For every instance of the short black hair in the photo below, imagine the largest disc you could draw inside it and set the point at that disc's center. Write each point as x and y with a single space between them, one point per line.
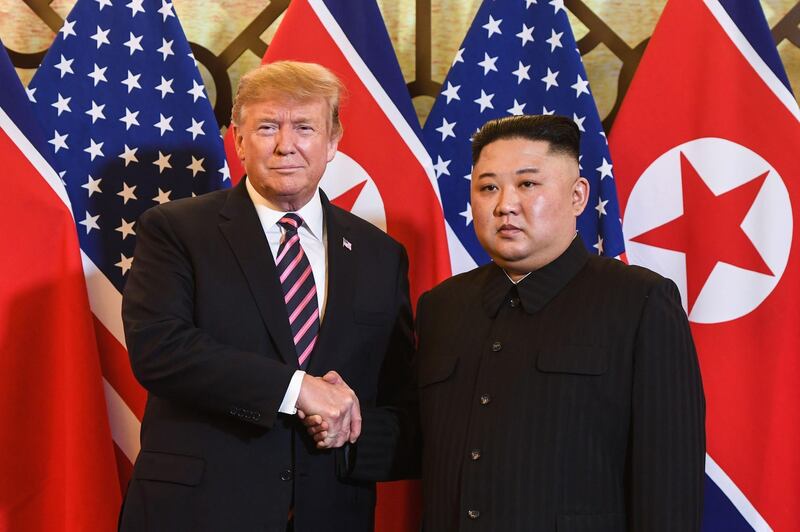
560 131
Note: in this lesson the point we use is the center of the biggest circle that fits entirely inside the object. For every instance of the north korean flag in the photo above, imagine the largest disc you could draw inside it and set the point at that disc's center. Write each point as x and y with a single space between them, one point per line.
705 148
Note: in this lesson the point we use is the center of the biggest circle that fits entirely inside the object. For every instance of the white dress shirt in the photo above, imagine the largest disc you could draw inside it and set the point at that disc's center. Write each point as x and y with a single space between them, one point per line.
313 239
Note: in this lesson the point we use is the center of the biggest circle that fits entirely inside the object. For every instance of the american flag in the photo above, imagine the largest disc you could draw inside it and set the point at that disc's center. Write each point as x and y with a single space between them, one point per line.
129 126
519 57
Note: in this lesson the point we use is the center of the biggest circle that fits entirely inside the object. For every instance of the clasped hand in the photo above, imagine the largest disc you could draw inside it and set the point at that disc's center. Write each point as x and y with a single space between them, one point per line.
330 410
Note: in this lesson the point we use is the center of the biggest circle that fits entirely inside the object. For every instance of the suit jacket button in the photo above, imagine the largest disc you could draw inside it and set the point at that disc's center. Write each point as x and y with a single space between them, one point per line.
497 346
486 399
475 454
473 514
286 474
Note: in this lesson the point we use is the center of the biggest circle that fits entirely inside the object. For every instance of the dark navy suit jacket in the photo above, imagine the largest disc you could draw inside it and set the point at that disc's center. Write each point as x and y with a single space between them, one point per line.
208 336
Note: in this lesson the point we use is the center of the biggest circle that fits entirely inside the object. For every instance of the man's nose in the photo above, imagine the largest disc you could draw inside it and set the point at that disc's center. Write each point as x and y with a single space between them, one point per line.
507 202
284 141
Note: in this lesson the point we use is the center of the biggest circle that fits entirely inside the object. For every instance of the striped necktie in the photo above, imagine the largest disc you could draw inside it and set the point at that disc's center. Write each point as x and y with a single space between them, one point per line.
299 289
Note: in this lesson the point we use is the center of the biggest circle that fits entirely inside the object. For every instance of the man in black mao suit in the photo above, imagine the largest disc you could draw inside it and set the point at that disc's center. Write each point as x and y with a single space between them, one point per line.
207 308
559 391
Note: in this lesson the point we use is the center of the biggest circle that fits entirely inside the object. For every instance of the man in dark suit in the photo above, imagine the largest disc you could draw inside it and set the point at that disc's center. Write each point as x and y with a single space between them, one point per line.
238 304
558 391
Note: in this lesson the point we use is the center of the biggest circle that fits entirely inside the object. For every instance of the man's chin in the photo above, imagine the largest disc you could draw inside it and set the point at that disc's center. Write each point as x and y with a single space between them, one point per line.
512 264
508 254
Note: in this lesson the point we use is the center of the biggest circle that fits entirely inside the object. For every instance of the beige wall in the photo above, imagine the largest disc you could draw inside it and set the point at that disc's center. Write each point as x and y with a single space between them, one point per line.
217 24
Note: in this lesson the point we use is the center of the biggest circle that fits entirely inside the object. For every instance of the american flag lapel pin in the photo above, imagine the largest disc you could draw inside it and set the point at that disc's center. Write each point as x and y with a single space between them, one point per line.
346 243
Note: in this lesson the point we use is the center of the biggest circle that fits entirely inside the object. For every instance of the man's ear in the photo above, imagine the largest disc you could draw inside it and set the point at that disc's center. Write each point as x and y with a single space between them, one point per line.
580 195
333 145
237 141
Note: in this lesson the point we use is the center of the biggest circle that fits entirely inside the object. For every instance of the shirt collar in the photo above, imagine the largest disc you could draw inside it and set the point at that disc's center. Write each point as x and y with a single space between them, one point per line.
517 282
538 288
311 212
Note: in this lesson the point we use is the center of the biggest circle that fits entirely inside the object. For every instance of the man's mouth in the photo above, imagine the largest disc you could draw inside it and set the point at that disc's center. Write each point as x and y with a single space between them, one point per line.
508 229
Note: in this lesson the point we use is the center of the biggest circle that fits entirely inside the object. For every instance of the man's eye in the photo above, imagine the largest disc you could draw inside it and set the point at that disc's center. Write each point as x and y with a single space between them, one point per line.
527 184
489 188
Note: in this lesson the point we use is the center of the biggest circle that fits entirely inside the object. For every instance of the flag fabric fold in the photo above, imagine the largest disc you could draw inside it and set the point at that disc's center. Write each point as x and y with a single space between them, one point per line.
519 58
704 147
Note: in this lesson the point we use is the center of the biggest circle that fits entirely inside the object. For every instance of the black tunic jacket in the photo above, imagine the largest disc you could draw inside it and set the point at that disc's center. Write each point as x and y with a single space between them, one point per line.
569 402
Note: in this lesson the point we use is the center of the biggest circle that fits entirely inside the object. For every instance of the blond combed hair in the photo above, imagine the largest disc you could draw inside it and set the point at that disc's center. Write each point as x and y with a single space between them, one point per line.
293 80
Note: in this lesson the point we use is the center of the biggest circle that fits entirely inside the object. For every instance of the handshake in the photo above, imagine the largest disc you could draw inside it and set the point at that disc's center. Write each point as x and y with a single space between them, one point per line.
330 410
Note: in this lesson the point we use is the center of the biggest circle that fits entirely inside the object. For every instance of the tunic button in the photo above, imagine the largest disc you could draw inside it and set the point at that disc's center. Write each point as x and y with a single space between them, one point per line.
497 346
485 399
514 302
475 454
286 474
473 514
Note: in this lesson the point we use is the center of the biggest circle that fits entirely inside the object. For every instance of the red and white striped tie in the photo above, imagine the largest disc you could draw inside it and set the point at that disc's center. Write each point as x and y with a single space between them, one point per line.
299 289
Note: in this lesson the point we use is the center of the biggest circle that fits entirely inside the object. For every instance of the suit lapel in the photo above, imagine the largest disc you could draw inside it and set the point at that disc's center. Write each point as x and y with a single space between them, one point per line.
342 271
242 229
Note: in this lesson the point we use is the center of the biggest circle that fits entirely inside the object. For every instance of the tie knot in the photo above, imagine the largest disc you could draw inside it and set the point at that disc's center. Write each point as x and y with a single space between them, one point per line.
290 222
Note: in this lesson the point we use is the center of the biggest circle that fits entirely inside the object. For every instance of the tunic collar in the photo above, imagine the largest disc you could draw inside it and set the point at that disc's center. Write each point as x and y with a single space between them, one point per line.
538 288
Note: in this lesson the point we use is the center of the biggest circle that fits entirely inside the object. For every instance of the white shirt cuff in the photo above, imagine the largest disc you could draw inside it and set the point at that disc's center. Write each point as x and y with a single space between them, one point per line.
289 404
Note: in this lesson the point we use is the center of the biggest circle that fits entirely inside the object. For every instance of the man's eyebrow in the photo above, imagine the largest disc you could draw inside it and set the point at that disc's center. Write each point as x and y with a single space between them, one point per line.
521 171
295 120
527 170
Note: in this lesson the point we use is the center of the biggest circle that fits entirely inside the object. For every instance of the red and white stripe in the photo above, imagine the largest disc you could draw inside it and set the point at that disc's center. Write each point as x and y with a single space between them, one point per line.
744 506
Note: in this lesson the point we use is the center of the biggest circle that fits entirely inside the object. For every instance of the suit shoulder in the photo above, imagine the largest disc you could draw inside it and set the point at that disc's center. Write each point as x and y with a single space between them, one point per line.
617 273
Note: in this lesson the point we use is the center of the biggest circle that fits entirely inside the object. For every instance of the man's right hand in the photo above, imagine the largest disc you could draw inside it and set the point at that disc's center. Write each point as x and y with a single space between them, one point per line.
330 409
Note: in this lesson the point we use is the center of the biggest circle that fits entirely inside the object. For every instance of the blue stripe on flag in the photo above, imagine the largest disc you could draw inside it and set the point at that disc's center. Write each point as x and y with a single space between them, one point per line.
363 24
750 19
719 513
16 105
